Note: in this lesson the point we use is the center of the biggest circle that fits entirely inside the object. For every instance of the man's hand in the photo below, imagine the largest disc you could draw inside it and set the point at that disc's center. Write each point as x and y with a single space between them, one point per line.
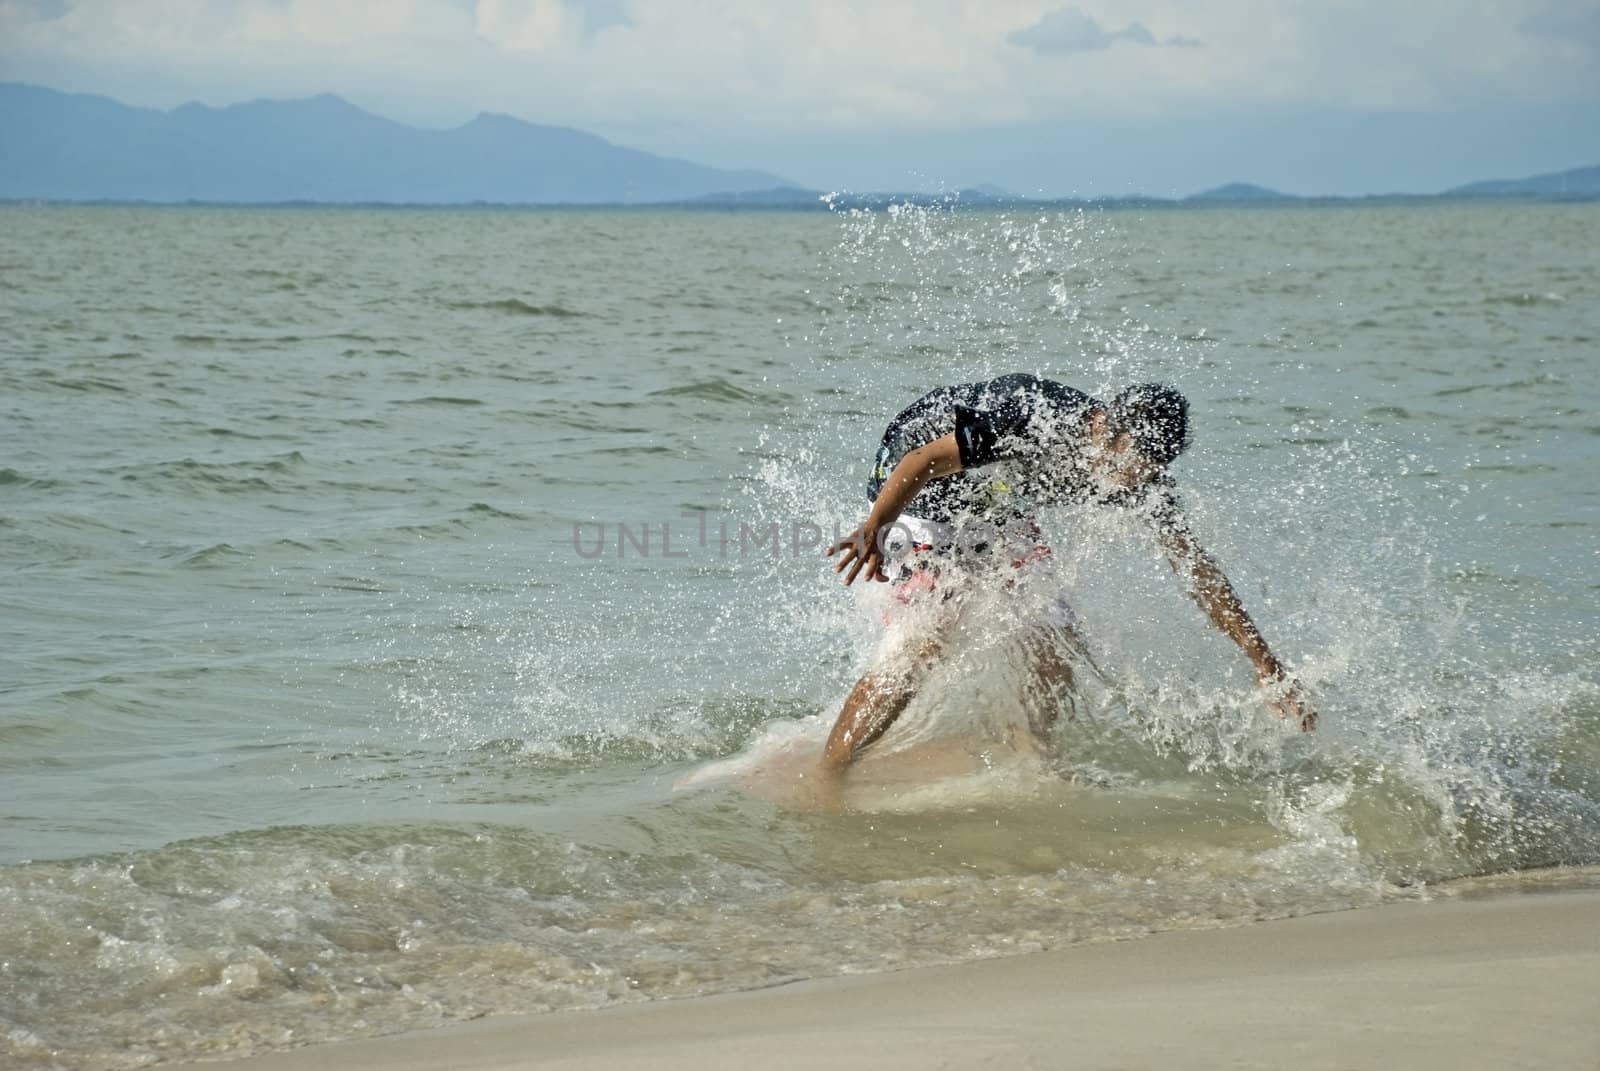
860 550
1287 699
857 551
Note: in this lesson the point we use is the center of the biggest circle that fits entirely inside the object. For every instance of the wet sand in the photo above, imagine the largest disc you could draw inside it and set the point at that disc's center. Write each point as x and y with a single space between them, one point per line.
1510 981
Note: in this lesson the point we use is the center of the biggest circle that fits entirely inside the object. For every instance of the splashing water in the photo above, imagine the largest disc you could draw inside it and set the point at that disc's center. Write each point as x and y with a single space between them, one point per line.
1442 751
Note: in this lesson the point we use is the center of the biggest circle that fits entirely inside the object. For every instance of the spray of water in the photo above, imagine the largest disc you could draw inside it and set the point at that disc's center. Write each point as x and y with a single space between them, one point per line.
1448 743
1446 747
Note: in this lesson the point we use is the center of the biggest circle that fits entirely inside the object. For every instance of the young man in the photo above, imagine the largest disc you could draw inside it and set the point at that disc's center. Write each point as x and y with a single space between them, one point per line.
953 486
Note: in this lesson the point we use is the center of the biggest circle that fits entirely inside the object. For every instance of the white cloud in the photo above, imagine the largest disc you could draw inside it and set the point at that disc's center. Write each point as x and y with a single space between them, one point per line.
521 25
1067 29
810 64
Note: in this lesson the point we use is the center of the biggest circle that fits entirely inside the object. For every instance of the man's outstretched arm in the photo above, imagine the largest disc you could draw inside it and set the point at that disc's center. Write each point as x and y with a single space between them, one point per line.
861 548
1212 592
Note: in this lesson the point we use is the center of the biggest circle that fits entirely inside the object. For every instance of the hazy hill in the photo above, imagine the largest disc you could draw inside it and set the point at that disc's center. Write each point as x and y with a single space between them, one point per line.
63 146
1239 191
1579 182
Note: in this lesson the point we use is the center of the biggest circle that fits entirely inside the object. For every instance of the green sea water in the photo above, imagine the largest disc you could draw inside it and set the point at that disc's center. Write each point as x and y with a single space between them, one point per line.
370 578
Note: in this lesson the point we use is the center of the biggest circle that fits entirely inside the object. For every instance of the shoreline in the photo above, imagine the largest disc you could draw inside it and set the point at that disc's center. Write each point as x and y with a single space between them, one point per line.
1489 979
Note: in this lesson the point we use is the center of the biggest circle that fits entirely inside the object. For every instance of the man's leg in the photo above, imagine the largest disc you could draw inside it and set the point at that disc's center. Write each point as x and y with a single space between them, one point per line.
1048 682
1049 649
878 698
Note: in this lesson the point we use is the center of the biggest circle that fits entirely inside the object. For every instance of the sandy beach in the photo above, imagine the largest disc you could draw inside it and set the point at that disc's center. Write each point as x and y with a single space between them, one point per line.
1510 981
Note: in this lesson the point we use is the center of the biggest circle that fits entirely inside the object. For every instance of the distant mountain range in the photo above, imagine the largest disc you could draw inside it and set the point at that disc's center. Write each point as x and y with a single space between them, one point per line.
74 147
1579 182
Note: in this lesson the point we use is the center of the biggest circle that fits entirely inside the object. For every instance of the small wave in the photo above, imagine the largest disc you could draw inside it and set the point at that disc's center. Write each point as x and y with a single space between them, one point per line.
439 399
1526 469
601 424
711 390
80 522
192 339
364 585
632 450
13 478
216 554
441 528
1525 299
486 510
1516 384
85 383
225 476
516 306
22 733
326 543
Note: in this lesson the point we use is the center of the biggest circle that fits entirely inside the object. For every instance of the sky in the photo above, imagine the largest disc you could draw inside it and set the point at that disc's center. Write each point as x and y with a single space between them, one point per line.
1100 97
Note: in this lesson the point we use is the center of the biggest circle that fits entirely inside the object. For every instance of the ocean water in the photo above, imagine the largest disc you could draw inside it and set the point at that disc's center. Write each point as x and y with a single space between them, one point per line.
408 616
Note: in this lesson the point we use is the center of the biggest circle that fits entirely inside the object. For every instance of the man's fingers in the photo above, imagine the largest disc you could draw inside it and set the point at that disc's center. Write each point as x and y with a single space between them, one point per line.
1304 716
868 558
854 539
854 571
1293 707
856 552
